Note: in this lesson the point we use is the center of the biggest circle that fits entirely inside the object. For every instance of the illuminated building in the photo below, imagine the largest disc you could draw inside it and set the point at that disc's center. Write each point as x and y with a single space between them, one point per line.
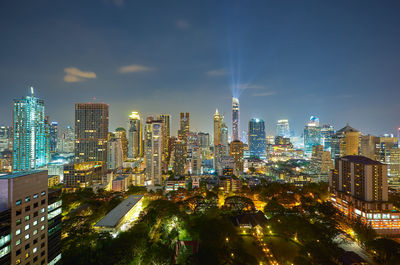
114 152
5 138
312 135
30 148
203 140
359 188
166 135
135 139
121 134
283 129
153 151
217 127
368 144
224 139
321 161
184 127
236 151
179 158
257 139
54 215
171 185
66 141
82 175
345 141
327 133
235 119
24 218
53 180
53 134
119 218
229 184
91 131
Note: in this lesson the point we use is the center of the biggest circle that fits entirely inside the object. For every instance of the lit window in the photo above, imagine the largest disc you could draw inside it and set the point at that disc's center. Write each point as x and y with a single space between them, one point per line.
27 236
42 227
43 193
34 250
36 196
18 242
18 202
27 227
18 232
35 232
35 222
42 210
27 199
27 218
42 219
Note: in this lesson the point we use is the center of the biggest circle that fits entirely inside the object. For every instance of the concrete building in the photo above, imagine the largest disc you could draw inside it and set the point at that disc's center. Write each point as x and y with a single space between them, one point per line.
115 153
82 175
217 128
345 141
236 151
153 151
235 119
135 139
24 196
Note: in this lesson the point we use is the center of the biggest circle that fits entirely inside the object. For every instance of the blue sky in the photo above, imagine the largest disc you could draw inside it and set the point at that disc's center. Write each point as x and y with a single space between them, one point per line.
338 60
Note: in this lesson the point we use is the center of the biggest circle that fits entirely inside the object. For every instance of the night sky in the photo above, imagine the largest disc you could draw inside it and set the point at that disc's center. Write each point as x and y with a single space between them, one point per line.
338 60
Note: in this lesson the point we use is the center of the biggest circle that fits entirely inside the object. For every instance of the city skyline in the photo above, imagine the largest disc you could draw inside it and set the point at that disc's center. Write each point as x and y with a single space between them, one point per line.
304 63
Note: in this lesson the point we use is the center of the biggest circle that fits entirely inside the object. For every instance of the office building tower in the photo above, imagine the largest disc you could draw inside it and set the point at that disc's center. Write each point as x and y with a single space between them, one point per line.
184 128
30 147
237 152
224 139
91 132
6 138
312 135
327 133
166 119
83 175
25 201
114 152
135 138
179 158
283 129
66 141
368 146
217 128
153 151
53 134
321 161
345 141
235 119
203 140
121 134
257 139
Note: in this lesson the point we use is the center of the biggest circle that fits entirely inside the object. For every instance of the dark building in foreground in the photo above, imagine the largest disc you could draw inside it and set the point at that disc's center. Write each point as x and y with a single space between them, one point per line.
54 215
23 218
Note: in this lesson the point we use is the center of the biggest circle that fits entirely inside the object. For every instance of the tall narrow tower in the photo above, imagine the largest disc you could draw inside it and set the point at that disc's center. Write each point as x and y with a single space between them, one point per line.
217 128
235 119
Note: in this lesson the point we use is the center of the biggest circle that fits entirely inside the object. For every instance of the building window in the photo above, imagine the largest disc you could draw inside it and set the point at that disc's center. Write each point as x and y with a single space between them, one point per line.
18 202
18 261
42 236
35 222
35 232
18 232
18 242
27 246
18 212
18 222
35 205
27 208
28 199
27 218
36 196
35 241
27 227
35 259
34 250
42 219
27 236
18 252
42 210
43 193
35 214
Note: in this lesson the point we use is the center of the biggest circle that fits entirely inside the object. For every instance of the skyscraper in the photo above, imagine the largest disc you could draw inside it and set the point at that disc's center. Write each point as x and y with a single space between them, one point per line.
153 146
257 139
235 119
53 133
166 119
91 132
327 133
224 139
121 134
184 127
345 141
217 127
283 129
179 158
135 139
30 148
114 152
236 151
312 135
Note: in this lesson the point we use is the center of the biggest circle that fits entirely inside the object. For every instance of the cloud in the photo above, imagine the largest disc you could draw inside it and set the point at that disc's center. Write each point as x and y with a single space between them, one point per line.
217 72
73 75
134 68
182 24
264 94
247 86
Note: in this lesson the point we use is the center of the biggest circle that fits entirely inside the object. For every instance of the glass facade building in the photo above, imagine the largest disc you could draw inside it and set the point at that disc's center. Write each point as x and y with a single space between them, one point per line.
235 119
257 139
30 148
312 135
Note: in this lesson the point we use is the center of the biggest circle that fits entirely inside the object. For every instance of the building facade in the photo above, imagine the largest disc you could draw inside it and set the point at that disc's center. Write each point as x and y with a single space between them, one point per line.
153 150
235 119
257 139
135 138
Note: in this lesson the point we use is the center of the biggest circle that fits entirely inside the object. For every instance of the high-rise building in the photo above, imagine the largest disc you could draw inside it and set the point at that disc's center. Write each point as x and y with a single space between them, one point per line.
83 175
153 151
236 151
54 216
179 158
224 139
5 138
66 141
257 139
53 134
114 152
121 134
23 207
327 133
91 132
359 188
283 129
135 138
30 148
235 119
345 141
217 128
312 135
368 146
203 140
166 118
184 127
